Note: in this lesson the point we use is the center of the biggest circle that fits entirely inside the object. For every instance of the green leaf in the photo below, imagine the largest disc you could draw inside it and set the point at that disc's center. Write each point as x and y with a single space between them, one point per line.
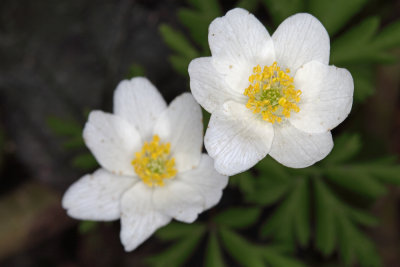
267 189
355 245
212 7
85 227
177 42
334 14
358 45
238 217
386 173
388 37
280 10
213 253
360 217
334 225
176 254
136 70
292 218
206 118
74 142
198 19
84 161
243 252
197 23
346 147
356 179
244 182
276 259
249 5
180 64
176 230
271 168
364 81
64 127
325 226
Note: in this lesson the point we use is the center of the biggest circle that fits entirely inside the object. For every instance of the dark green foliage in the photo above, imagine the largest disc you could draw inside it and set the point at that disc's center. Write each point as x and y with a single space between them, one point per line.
222 232
280 10
250 255
334 14
237 217
213 253
71 133
136 70
291 220
337 220
87 226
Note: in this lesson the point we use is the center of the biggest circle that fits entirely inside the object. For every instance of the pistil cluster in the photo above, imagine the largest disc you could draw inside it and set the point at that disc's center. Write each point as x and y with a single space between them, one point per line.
271 93
153 163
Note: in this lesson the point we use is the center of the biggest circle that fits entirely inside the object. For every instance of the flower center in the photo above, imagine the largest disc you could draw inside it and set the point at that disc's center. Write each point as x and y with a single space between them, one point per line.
153 163
271 93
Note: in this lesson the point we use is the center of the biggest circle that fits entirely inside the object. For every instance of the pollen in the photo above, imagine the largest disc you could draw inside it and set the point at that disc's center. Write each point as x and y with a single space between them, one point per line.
153 164
271 93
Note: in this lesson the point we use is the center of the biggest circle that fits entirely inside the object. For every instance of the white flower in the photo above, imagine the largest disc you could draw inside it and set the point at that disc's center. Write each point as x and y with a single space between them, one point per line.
269 95
152 167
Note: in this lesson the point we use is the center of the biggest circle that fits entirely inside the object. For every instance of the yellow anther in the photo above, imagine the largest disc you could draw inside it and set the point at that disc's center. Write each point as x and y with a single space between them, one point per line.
272 93
153 163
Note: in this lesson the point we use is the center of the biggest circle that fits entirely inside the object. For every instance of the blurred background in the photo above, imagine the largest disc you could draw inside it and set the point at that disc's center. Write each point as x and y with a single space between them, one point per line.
61 59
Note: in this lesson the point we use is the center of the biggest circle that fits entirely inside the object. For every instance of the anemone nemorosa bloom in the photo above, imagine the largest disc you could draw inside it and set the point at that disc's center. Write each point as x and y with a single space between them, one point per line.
273 95
152 167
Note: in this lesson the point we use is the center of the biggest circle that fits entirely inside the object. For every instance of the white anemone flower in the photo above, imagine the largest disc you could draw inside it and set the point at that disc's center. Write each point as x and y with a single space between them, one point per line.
152 166
269 95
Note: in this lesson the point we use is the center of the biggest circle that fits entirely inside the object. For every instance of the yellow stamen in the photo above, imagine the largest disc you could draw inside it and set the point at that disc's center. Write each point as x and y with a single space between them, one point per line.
153 163
271 93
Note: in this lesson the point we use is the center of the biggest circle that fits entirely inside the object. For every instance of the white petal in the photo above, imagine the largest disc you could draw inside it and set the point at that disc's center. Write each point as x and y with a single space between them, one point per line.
113 141
296 149
326 99
238 42
181 125
139 219
208 86
206 180
140 103
96 196
178 200
299 39
237 139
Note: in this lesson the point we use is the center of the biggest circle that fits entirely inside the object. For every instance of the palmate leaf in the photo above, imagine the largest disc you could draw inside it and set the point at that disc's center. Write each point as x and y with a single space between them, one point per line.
250 255
238 217
198 18
249 5
185 237
177 253
71 132
84 161
176 230
280 10
64 127
291 220
363 43
268 191
335 226
364 80
334 14
213 252
337 221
